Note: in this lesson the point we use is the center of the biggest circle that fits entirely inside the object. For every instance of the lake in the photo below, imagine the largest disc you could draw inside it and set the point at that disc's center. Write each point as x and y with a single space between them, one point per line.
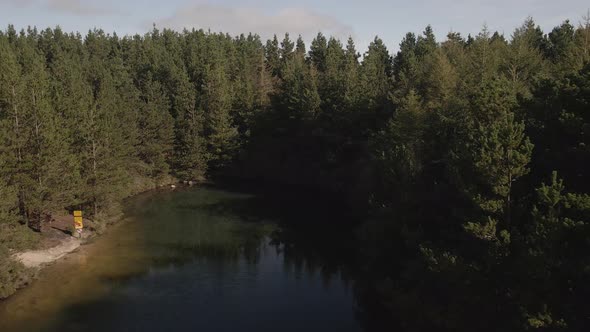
198 259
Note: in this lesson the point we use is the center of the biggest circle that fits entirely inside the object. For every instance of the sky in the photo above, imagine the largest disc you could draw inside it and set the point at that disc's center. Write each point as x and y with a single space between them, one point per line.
361 19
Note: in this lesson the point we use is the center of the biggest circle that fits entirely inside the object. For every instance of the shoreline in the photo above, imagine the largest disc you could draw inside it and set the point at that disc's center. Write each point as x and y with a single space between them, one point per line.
63 244
37 259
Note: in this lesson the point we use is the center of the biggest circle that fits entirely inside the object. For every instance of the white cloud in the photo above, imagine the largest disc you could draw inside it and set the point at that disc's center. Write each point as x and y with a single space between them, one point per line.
78 7
235 20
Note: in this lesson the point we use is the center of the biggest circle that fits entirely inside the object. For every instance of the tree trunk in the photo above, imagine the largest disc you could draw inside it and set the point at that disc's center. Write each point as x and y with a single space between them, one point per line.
508 202
22 207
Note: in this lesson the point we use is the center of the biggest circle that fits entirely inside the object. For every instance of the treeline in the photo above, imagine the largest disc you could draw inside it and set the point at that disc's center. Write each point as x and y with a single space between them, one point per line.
471 153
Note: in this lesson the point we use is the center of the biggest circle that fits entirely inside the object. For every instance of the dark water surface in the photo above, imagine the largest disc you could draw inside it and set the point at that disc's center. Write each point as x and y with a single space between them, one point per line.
192 260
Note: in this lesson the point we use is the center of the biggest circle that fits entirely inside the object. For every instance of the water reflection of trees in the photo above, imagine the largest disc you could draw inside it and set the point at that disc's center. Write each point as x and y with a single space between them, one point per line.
311 240
335 258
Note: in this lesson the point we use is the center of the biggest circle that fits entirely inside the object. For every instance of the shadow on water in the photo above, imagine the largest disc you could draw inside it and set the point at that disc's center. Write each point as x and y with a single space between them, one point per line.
212 260
310 234
316 236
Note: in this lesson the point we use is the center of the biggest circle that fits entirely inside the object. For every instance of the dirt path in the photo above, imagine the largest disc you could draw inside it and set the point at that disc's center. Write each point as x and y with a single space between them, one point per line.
36 258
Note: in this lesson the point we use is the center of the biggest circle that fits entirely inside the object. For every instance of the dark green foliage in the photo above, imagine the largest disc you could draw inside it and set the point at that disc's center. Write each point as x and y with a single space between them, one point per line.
376 75
559 109
318 52
443 146
155 131
399 151
220 131
11 273
273 57
13 236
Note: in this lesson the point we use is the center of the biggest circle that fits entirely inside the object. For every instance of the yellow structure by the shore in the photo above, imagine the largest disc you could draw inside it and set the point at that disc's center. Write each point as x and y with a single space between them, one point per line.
78 220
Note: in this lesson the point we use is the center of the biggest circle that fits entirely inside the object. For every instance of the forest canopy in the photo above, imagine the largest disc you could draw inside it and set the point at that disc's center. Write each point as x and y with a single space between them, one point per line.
468 158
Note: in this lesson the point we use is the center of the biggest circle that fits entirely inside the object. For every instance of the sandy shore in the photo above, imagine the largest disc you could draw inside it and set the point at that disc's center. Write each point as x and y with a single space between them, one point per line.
36 258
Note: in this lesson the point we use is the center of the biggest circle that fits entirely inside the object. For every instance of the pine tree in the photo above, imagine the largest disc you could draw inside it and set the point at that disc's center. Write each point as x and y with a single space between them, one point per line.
13 124
375 81
399 150
561 48
190 153
555 251
454 48
273 55
524 65
318 52
8 204
156 131
582 41
220 131
69 93
298 94
287 50
252 84
405 67
441 81
104 149
300 47
332 81
351 76
47 149
502 155
557 122
497 153
484 59
426 44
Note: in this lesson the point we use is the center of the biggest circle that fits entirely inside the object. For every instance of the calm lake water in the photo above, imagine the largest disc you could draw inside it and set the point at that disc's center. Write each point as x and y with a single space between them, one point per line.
192 260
